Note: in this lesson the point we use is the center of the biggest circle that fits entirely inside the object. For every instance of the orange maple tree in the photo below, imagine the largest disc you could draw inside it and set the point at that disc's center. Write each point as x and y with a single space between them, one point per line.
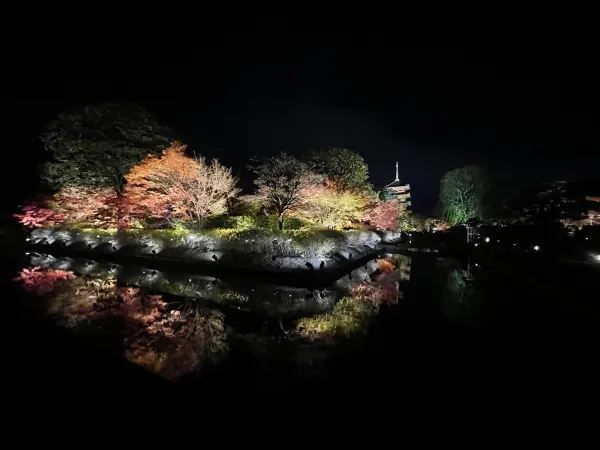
175 187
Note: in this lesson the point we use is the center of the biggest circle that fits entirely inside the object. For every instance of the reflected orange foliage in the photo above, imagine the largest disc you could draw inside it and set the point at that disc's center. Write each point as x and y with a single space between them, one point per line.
385 265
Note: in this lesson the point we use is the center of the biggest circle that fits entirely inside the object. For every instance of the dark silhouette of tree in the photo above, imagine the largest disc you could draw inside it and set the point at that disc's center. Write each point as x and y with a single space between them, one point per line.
280 183
344 167
97 145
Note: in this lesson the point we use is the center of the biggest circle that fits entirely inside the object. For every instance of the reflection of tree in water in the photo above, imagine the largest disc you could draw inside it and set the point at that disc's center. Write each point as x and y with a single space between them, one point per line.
404 264
177 338
171 340
460 298
352 315
179 341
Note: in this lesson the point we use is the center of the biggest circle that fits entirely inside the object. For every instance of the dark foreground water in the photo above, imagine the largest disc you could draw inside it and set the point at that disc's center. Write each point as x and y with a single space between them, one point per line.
401 344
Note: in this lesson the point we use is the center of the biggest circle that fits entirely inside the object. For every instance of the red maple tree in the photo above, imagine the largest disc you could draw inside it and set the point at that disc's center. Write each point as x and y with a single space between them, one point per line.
384 215
37 214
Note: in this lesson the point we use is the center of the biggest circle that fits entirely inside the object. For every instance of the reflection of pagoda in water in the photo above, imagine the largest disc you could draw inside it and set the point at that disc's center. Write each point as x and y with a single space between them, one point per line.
398 190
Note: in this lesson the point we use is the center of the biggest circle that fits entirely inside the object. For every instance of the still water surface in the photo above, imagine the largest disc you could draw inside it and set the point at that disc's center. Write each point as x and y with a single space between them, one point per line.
183 326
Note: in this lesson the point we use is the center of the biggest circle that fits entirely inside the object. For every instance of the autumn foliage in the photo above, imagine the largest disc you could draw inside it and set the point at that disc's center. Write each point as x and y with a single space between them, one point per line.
89 206
170 342
41 282
170 187
175 187
384 215
38 214
330 206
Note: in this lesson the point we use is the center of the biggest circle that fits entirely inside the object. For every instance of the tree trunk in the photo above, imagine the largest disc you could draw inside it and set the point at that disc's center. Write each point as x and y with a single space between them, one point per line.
280 222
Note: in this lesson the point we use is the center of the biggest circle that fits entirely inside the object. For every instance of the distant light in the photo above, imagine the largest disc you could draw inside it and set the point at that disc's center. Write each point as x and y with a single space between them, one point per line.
536 248
514 245
476 244
498 241
487 239
587 238
597 258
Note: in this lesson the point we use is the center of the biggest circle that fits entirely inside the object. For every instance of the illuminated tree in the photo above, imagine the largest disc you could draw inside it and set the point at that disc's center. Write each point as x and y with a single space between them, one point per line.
174 186
38 214
385 215
88 206
97 145
330 207
463 193
281 183
345 167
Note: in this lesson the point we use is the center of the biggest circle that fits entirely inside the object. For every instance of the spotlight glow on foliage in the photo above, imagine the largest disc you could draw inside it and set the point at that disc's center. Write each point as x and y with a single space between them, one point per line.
330 207
173 186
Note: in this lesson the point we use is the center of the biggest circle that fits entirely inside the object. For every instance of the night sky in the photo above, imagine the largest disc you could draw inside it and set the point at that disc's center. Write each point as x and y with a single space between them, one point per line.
515 90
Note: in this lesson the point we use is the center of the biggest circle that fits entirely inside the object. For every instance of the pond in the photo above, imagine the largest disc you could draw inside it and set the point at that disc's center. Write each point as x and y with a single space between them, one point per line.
181 325
186 326
403 330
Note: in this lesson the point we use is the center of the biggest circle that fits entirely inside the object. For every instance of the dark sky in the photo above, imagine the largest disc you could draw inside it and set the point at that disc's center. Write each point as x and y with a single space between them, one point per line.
513 89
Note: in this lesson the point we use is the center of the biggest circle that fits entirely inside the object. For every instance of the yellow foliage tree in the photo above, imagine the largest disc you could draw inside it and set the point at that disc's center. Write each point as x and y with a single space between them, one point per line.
330 207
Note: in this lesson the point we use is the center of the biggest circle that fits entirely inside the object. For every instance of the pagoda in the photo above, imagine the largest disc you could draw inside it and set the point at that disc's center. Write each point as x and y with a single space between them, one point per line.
398 190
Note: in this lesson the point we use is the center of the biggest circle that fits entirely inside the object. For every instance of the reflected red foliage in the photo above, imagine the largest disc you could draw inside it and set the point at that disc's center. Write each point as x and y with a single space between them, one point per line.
382 291
169 342
43 282
178 342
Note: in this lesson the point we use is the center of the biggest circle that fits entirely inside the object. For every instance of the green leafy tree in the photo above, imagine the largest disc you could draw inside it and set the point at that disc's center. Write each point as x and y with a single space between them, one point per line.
281 183
97 145
464 193
344 167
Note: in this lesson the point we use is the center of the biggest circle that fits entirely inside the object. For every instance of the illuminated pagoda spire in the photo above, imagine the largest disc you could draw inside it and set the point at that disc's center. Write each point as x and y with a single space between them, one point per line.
398 190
